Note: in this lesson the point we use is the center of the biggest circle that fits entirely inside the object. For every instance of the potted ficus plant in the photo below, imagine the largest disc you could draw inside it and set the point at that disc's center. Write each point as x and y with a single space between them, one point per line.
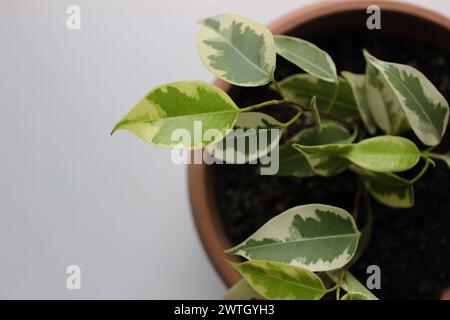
304 252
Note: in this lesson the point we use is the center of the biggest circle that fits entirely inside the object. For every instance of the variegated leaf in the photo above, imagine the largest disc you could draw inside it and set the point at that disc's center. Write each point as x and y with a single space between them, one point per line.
176 115
301 88
389 189
242 291
383 104
307 56
425 107
379 154
237 49
358 84
279 281
351 284
315 237
254 135
293 163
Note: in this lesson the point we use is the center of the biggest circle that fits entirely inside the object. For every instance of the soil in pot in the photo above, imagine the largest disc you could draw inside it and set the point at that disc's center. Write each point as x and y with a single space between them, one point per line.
411 246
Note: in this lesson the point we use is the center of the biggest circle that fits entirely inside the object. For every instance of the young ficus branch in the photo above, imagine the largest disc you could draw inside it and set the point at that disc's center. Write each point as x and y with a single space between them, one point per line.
262 105
324 114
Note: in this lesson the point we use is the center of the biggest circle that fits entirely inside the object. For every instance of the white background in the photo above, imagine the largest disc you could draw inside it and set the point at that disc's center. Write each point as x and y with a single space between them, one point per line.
70 193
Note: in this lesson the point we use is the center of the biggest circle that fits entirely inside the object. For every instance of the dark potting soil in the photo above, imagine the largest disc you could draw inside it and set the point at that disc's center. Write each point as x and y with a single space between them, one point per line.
411 246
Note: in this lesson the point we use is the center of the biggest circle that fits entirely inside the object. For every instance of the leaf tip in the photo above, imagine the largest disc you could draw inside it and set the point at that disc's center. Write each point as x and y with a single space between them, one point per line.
116 127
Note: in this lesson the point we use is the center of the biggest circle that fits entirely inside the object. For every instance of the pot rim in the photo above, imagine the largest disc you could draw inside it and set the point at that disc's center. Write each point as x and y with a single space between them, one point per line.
201 194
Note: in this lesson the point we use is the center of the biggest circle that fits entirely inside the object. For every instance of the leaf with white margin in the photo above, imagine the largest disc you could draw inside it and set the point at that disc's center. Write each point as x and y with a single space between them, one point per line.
388 188
358 84
242 291
176 114
379 154
425 107
301 88
254 135
237 50
277 281
350 283
383 105
293 163
315 237
307 56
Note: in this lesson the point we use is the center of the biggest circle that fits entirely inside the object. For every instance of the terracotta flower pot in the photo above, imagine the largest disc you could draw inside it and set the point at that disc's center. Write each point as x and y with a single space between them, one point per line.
398 20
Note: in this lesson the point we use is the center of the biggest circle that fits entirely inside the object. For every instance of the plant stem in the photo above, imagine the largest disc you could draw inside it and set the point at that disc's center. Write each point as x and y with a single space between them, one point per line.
287 124
278 88
333 99
333 288
339 283
436 156
262 105
422 172
324 114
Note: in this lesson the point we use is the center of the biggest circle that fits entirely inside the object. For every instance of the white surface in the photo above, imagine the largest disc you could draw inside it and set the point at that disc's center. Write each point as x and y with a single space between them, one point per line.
70 193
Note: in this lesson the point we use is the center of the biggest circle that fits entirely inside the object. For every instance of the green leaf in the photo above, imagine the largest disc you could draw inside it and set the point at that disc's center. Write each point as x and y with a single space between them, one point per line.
357 83
315 237
293 163
254 135
384 154
176 114
242 291
237 49
301 88
307 56
279 281
389 189
379 154
425 107
383 104
351 284
355 296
